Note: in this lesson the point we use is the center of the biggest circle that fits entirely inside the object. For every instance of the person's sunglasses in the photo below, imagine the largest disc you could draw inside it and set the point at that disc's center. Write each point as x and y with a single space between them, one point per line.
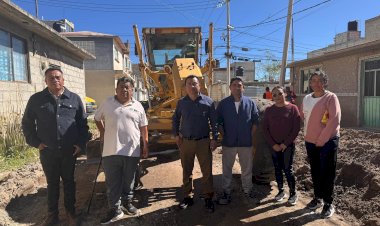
277 94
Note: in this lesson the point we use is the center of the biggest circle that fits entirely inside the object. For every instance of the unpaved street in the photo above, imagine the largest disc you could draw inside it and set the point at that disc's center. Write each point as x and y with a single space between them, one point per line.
159 198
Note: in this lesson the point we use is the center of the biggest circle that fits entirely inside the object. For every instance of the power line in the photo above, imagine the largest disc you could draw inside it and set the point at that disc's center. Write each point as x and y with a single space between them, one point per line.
116 9
283 17
129 6
268 18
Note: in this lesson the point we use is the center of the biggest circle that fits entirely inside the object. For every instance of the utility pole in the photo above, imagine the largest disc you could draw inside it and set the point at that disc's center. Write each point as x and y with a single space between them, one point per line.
292 42
286 43
228 54
36 2
292 75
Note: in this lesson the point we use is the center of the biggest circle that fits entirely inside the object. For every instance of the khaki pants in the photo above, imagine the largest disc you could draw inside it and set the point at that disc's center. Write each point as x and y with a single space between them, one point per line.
188 150
246 161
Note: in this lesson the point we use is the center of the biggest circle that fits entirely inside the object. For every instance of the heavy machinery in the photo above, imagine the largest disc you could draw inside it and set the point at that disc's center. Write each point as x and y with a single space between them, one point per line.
171 54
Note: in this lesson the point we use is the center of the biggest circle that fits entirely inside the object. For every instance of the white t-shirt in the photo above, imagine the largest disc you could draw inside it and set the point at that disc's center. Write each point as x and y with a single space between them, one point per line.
237 105
307 106
122 126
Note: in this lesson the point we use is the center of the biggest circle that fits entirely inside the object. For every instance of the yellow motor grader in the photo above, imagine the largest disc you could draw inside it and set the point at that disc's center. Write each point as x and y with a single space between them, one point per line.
170 55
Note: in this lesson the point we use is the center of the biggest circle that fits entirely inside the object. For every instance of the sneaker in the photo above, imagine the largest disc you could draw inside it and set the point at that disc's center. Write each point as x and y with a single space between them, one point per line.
293 199
225 199
112 216
209 205
314 204
129 208
280 196
328 210
188 201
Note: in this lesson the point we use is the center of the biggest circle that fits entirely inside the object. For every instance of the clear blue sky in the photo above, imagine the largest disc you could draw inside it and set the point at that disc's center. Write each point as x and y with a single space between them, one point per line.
257 23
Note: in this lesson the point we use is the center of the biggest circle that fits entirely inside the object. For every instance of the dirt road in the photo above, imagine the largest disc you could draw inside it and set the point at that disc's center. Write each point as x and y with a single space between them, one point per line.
159 197
357 192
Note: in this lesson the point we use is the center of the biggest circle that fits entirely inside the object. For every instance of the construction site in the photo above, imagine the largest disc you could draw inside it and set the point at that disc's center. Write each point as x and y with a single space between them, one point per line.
164 58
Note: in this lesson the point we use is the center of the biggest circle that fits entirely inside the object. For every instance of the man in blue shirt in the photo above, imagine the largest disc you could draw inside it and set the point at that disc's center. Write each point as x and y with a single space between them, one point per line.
237 120
192 119
55 123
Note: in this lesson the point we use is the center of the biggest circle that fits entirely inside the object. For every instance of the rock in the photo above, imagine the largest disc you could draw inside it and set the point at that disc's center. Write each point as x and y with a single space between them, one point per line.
263 170
374 184
27 187
4 176
373 188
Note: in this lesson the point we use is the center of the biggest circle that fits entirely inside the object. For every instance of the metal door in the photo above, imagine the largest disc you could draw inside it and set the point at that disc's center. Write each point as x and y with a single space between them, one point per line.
371 98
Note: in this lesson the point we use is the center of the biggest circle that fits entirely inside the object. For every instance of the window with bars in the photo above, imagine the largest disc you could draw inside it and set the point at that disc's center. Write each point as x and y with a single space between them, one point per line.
13 58
372 78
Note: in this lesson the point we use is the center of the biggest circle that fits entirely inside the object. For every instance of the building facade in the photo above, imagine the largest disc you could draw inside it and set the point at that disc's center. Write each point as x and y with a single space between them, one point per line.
112 62
27 48
353 66
220 74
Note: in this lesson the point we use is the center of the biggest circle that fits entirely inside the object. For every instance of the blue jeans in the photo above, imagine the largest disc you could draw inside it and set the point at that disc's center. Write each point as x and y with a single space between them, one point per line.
120 178
323 168
283 162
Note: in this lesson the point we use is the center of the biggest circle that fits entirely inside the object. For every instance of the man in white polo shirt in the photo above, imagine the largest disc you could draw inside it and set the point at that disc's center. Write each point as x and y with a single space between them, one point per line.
121 120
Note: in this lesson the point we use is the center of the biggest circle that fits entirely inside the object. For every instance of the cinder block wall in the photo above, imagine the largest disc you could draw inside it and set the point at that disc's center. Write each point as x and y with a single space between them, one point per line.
14 95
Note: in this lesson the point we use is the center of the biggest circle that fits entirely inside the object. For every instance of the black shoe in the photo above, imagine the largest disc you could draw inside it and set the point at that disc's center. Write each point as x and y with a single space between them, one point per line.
328 210
112 216
280 196
129 208
225 199
293 198
209 205
188 201
314 204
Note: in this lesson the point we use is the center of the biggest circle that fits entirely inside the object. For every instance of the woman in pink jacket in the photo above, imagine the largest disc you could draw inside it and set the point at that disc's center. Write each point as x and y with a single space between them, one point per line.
321 113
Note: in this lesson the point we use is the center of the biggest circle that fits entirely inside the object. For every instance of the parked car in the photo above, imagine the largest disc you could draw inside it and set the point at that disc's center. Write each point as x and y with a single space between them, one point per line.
90 105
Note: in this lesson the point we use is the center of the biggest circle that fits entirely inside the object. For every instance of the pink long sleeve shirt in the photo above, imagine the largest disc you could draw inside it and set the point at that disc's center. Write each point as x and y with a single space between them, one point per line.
318 130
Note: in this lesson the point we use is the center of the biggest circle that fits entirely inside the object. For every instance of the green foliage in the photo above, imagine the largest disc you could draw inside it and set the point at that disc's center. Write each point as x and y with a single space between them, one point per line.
270 68
92 128
19 160
14 152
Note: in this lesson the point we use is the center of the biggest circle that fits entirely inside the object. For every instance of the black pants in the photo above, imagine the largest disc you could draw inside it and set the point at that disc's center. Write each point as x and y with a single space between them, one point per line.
283 162
56 166
323 168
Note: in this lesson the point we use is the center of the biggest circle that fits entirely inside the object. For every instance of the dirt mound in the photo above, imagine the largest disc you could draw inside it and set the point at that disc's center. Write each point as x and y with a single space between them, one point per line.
21 182
357 187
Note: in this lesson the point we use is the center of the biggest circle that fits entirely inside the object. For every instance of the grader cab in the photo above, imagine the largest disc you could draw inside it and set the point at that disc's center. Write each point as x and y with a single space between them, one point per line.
169 56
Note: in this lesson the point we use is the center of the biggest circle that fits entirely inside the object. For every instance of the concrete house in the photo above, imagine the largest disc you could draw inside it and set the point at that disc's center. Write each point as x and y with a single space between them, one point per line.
220 74
353 66
27 47
112 62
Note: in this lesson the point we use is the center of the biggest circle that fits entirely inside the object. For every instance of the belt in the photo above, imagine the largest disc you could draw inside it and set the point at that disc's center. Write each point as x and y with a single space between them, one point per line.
196 138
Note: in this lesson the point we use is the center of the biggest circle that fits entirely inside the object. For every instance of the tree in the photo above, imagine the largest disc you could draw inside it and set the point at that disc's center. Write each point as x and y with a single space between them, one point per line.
270 68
